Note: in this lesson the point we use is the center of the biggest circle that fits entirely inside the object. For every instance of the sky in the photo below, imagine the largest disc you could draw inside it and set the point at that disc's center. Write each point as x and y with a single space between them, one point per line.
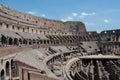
98 15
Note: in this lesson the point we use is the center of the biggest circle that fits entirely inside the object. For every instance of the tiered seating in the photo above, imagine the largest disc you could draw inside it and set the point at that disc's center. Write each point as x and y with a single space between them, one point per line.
52 51
59 49
90 47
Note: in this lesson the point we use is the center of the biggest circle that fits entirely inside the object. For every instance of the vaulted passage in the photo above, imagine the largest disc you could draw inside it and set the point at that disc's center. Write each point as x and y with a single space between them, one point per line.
7 69
10 41
24 41
2 76
15 41
20 41
3 40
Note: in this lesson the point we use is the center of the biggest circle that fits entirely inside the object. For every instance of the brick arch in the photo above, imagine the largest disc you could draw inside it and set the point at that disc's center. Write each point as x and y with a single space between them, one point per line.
33 41
45 41
10 41
20 41
3 40
15 41
38 41
2 75
7 68
24 41
30 42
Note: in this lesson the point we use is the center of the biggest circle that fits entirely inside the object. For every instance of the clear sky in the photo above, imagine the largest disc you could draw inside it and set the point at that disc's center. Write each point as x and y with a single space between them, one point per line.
96 14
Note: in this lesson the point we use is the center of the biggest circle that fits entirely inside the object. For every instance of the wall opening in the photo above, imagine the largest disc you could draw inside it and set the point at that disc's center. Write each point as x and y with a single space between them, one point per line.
7 68
2 75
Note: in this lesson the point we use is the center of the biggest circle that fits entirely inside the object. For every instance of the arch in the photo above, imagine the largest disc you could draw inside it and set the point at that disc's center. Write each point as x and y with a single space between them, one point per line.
41 42
34 41
24 41
47 41
44 41
15 41
2 75
3 40
37 41
30 42
70 41
7 67
20 41
10 41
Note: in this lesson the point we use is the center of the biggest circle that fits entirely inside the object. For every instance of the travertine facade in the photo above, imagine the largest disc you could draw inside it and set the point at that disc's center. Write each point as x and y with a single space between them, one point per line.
33 24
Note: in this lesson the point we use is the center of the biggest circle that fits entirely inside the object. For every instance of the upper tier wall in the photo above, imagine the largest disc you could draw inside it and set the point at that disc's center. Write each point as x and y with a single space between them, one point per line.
16 17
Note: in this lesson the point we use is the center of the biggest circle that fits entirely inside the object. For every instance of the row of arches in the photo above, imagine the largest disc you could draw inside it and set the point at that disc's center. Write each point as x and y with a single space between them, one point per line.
110 47
52 39
10 41
6 72
16 41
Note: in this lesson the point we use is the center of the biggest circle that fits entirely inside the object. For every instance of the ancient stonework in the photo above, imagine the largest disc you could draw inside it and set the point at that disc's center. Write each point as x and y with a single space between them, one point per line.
35 48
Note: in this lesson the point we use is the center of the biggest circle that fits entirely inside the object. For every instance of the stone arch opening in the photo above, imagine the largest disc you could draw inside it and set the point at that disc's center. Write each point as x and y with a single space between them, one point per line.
3 40
41 42
20 41
44 41
2 75
10 41
70 41
47 41
34 41
15 41
7 69
37 41
24 41
30 41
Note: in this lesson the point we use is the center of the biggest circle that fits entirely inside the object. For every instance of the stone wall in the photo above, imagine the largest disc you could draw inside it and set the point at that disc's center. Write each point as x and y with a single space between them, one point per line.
34 23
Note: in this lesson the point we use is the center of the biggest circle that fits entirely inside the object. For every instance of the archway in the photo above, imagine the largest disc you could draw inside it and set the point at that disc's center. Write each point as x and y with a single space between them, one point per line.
24 41
41 42
7 69
15 41
3 40
20 41
2 76
47 41
10 41
34 41
38 41
30 42
44 41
